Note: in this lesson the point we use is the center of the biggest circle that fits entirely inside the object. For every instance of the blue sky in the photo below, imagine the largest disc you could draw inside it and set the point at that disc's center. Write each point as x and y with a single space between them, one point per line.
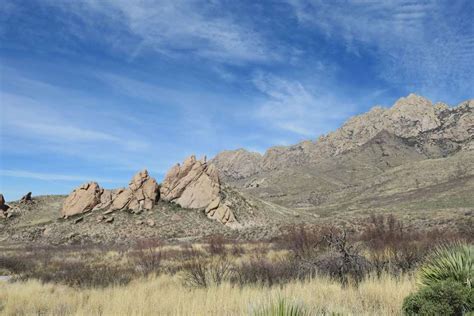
96 90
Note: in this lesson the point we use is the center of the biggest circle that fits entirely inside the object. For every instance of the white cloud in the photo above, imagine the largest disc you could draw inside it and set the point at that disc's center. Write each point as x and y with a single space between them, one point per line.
291 106
423 44
175 28
22 116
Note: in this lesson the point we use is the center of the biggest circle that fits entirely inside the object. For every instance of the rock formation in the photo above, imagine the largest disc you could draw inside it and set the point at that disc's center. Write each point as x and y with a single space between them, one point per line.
106 199
3 207
221 212
82 199
196 185
142 194
26 198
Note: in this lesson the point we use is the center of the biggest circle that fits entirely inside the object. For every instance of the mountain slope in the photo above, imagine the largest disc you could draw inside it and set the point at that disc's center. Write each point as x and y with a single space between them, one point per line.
368 162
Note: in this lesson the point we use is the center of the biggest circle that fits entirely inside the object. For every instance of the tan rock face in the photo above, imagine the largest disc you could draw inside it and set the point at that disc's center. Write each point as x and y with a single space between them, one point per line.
145 192
237 164
221 212
106 199
408 117
196 185
142 194
122 199
82 199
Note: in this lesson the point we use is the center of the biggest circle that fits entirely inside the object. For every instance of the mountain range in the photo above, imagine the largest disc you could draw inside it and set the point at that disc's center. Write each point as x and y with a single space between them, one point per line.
386 157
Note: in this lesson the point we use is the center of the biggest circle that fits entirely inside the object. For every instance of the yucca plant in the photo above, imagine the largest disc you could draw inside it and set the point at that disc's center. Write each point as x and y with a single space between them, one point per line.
455 262
282 308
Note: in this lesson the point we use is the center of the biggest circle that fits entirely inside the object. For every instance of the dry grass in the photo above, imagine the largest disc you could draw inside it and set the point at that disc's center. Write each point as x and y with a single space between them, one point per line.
165 295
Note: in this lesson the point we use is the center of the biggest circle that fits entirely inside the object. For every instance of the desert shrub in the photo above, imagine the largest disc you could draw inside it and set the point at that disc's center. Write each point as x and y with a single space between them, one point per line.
343 262
236 248
303 241
345 269
440 298
395 249
216 245
330 251
449 263
194 273
15 264
203 272
80 274
189 252
466 228
282 308
148 256
259 270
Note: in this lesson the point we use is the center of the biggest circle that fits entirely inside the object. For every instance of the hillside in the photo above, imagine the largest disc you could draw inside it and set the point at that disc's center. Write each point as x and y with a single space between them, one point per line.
412 156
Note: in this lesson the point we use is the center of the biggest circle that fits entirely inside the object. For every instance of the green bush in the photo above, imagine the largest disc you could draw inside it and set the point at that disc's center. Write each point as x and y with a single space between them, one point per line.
440 298
449 263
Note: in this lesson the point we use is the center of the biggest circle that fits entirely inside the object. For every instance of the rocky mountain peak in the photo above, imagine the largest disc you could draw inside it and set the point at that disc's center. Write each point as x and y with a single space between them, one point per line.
412 101
436 130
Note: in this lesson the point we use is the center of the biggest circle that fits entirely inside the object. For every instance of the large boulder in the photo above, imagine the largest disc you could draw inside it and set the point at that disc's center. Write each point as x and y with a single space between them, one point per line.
106 199
142 194
3 206
26 198
82 199
196 185
220 211
122 200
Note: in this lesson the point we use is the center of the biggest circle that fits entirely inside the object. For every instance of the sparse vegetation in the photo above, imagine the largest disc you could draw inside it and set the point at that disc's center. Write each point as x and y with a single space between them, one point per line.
308 270
166 294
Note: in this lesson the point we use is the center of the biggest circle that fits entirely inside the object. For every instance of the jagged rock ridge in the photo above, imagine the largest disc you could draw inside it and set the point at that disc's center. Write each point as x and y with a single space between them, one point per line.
141 194
434 130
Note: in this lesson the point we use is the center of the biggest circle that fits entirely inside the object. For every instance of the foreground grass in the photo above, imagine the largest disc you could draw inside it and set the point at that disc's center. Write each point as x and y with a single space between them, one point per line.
165 295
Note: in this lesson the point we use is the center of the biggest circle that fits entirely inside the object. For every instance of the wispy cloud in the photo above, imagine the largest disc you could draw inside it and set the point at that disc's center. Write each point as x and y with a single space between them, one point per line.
52 176
176 28
291 106
32 119
424 44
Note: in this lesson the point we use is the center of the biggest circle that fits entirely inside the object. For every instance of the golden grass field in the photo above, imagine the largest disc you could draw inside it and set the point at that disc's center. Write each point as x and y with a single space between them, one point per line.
165 295
153 278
